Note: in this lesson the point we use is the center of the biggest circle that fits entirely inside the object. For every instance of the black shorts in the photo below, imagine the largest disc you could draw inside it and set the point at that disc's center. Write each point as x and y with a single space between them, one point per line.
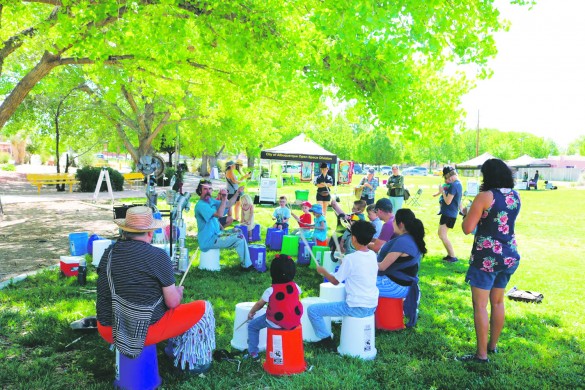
232 195
368 201
321 198
449 221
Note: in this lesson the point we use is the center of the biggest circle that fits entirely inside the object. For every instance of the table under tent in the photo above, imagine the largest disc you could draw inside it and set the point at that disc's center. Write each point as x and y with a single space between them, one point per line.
300 149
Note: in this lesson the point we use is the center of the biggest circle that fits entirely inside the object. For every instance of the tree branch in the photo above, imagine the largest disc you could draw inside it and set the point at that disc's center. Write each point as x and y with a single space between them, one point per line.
158 128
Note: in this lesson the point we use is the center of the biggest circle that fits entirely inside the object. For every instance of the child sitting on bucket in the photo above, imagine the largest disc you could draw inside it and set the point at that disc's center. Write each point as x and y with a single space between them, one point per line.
305 220
247 214
281 214
320 225
284 307
359 271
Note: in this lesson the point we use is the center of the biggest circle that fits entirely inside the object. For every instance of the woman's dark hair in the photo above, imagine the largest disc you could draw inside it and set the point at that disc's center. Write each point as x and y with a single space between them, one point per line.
282 269
413 226
496 174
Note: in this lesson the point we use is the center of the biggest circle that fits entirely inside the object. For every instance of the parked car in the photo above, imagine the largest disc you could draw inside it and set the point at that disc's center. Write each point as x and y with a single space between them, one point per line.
415 171
385 170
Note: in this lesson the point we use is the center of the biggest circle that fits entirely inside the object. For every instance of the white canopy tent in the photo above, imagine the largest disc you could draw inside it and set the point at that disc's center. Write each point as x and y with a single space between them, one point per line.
300 148
526 161
474 163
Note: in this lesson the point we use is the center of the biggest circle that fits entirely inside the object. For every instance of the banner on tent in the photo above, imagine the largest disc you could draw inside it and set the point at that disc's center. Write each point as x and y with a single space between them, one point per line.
345 172
306 171
297 157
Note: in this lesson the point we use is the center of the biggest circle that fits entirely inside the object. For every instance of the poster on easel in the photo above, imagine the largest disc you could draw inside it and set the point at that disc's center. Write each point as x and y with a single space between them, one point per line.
345 172
306 171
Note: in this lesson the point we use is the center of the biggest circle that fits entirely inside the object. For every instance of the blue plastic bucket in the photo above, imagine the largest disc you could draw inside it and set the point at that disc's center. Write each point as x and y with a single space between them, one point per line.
78 243
92 238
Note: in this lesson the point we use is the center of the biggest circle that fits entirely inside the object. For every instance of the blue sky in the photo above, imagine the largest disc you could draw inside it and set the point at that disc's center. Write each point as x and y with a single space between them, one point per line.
538 84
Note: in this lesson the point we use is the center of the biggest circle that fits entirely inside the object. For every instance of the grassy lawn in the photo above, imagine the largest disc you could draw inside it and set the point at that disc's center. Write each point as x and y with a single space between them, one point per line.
542 345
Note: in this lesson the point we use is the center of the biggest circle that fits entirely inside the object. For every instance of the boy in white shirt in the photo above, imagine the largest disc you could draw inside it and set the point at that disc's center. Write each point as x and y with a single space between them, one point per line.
359 270
281 214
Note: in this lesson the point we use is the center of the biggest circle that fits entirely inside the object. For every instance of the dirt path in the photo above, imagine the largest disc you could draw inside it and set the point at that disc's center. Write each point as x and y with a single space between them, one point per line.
34 235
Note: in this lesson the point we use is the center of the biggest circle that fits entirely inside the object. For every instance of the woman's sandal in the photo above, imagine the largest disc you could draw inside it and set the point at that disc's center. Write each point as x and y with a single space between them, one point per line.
472 358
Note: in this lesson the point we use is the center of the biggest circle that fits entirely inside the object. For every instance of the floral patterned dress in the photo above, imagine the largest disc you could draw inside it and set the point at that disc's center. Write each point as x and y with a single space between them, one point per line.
495 247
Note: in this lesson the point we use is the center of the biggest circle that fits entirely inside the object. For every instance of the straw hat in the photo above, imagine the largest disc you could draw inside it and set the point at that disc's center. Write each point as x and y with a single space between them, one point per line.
139 219
239 162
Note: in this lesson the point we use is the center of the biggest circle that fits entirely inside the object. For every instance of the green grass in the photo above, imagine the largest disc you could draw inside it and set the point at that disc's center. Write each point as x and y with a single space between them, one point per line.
541 347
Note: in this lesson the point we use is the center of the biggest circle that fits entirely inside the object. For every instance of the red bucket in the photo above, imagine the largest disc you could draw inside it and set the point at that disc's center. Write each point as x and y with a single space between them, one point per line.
285 354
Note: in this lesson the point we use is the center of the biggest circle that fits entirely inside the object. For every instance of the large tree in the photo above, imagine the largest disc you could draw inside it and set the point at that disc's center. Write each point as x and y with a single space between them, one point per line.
389 56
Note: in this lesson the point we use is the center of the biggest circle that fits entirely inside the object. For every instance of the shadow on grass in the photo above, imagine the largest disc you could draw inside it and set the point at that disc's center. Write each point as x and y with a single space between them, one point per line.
38 349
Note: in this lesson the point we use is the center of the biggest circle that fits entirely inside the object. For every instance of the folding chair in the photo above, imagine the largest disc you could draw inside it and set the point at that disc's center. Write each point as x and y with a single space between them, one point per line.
414 200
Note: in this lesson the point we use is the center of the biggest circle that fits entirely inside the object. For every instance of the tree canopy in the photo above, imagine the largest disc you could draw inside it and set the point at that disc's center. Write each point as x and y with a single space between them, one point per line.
214 63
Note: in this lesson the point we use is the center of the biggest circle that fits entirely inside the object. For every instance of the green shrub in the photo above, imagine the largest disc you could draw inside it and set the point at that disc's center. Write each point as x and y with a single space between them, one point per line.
9 167
165 180
88 178
4 157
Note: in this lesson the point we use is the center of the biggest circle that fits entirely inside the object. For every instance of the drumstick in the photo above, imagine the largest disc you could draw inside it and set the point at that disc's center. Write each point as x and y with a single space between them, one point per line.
308 248
242 324
189 266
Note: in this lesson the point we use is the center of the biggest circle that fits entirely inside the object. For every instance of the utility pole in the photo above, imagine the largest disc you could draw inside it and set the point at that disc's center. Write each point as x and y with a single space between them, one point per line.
477 137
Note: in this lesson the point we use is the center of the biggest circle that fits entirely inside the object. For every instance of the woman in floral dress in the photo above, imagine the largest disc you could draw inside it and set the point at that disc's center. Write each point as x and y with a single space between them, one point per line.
494 256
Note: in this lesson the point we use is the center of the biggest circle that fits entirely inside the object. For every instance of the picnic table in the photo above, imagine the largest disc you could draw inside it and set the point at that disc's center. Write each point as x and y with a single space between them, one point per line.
133 178
40 179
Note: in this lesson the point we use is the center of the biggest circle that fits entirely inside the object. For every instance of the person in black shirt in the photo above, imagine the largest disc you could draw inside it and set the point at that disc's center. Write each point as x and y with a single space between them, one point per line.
323 183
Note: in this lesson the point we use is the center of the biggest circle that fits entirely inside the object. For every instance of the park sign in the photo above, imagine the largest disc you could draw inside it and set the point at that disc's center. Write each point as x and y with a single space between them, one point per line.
299 148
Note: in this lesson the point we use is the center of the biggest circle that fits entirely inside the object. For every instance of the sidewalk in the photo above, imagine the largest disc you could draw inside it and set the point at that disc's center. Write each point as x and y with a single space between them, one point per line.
14 188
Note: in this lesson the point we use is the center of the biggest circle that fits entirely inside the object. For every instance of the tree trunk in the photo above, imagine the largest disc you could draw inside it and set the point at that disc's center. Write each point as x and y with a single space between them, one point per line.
11 103
203 169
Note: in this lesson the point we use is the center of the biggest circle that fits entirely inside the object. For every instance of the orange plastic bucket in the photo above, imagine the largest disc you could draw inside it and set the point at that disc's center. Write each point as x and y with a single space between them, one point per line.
390 314
285 354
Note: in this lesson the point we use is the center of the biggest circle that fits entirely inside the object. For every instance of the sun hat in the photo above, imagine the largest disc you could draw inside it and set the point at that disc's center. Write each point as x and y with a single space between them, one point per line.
305 203
371 170
229 164
316 208
384 204
239 162
139 219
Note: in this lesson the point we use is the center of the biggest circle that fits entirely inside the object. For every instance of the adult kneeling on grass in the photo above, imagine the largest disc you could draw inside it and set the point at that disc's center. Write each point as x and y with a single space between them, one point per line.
138 303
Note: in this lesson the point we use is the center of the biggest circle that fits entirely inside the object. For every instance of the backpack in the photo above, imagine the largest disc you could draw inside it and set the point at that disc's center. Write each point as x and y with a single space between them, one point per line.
406 194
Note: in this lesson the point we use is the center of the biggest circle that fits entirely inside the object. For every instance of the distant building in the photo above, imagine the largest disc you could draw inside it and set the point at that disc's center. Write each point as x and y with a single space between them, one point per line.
6 147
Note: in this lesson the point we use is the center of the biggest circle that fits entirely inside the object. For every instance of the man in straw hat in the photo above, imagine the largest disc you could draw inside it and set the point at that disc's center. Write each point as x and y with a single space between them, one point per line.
207 212
143 276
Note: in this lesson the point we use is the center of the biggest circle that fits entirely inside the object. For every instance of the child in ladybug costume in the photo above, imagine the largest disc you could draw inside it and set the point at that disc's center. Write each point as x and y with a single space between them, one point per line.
284 307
